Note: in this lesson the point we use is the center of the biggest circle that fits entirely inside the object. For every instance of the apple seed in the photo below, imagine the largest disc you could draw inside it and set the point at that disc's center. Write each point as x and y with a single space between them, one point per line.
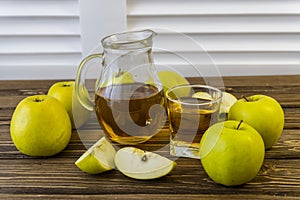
144 158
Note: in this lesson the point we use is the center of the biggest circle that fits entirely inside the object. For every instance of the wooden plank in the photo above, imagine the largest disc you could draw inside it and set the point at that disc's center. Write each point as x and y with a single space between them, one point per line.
28 84
286 100
292 119
287 80
146 196
60 176
285 89
288 145
240 81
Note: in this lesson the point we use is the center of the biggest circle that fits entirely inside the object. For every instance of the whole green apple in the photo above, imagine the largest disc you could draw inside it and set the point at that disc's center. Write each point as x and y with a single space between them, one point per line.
262 113
119 78
40 126
231 152
64 92
170 79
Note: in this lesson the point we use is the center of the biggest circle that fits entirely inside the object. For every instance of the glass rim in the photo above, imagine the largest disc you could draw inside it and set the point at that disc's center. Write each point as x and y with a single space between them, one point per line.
194 86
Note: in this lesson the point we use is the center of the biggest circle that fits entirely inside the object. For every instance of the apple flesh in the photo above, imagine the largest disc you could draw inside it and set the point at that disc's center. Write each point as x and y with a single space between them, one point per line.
261 112
231 152
202 95
227 101
98 158
40 126
138 164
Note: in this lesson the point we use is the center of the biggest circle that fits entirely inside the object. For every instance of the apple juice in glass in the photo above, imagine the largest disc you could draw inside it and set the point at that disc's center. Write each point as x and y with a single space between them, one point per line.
191 110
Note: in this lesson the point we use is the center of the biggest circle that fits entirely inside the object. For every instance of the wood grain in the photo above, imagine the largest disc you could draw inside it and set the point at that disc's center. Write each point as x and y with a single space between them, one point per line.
23 177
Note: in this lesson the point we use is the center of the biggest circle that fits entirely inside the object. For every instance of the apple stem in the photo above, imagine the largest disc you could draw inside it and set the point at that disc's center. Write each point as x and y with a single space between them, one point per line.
237 128
38 100
244 97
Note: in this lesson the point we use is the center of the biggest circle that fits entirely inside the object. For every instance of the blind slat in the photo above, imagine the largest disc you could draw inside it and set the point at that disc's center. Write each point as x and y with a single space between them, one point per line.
231 42
44 71
220 24
23 8
36 59
39 25
39 44
231 69
226 58
211 7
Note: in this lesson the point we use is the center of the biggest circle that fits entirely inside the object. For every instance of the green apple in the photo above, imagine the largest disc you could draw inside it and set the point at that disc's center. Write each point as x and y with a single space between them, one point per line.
138 164
64 92
98 158
231 152
119 78
170 79
261 112
40 126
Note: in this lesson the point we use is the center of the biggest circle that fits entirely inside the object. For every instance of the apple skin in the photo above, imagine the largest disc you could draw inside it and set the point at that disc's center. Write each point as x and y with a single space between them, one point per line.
119 78
262 113
40 126
98 158
170 79
64 92
231 156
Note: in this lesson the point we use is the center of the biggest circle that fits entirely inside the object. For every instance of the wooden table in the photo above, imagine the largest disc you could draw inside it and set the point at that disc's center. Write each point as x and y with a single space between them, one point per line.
58 178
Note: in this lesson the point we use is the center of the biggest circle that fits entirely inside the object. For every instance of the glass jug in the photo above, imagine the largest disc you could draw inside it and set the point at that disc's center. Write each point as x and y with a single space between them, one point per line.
129 98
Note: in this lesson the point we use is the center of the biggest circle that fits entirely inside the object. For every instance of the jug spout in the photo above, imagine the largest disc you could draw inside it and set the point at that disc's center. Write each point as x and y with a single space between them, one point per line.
129 40
149 33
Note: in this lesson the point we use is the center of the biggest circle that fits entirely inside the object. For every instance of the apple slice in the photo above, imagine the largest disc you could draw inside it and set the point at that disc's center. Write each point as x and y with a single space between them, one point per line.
202 95
138 164
227 101
98 158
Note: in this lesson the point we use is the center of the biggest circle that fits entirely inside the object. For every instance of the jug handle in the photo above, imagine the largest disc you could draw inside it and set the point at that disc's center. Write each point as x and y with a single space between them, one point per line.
81 91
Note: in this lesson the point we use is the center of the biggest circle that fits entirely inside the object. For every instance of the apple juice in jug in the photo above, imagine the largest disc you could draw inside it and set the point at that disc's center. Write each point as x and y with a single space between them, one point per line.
130 113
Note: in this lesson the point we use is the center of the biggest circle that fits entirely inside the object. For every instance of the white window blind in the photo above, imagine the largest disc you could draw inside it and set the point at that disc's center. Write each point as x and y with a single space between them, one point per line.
45 39
243 37
39 39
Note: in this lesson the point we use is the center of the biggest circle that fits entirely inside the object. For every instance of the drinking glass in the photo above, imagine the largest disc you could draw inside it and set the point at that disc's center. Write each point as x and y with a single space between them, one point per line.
191 110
